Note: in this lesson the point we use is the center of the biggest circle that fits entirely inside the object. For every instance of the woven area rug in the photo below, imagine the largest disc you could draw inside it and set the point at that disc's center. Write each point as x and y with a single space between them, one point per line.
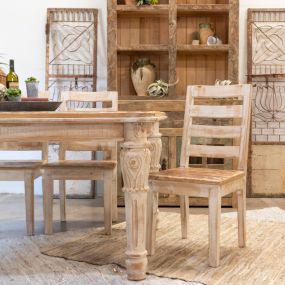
262 262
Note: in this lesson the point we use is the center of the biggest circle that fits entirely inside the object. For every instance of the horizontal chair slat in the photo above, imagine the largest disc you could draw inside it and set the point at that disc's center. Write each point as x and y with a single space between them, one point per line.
205 131
214 151
205 111
217 92
89 96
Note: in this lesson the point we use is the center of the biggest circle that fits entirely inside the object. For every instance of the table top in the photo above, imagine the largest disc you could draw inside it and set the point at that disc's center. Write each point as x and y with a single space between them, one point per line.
80 117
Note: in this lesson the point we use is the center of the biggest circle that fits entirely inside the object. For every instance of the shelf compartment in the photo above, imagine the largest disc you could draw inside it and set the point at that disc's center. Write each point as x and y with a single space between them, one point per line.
202 48
146 9
200 69
125 62
188 26
144 48
203 8
140 30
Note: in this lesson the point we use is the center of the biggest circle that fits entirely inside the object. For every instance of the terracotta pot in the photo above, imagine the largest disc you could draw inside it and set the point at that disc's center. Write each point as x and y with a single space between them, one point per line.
130 2
143 74
205 30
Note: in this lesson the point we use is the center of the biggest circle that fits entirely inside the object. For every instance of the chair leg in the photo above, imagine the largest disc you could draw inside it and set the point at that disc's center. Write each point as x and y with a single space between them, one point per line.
241 199
29 201
158 218
48 204
108 176
214 227
184 215
114 197
152 215
234 200
62 197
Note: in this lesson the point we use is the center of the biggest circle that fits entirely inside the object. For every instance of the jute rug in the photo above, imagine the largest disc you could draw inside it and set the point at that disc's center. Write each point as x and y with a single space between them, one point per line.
262 262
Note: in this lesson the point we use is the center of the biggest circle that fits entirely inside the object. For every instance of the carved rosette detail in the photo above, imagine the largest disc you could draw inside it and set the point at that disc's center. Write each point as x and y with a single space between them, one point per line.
135 168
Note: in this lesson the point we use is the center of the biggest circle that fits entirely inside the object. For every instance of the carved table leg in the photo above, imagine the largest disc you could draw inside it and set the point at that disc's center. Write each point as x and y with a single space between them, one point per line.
155 147
135 164
152 211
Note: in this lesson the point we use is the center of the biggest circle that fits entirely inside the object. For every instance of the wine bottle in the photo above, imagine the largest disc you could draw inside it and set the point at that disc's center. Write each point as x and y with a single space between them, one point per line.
12 80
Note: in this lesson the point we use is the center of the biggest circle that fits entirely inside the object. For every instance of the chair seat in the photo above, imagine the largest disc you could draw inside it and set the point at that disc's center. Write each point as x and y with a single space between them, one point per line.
197 175
20 164
81 163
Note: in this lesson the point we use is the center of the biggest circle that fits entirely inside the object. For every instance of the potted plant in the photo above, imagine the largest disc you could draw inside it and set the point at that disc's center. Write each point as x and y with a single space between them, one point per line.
32 85
13 94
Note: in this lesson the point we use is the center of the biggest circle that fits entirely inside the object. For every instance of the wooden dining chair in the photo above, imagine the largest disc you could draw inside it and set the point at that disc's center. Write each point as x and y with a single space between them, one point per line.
229 103
87 102
24 170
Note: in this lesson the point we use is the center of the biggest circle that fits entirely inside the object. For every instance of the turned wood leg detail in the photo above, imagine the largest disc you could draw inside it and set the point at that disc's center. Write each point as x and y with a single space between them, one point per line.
155 149
152 213
135 164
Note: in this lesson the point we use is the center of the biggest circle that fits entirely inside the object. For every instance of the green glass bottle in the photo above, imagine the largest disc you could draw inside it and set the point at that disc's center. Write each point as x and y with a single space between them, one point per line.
12 80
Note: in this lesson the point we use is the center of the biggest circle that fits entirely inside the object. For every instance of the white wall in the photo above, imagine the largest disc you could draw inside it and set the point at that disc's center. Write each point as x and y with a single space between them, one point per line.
22 30
22 27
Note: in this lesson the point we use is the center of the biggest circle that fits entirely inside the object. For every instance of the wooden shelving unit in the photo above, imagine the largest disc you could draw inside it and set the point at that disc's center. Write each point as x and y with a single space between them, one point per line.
164 33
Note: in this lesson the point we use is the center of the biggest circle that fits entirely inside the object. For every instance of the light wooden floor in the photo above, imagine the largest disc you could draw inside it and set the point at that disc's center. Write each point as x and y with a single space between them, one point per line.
83 217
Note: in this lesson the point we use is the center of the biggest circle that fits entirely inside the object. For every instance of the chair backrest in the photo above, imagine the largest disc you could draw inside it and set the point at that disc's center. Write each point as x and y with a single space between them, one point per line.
229 103
109 148
93 98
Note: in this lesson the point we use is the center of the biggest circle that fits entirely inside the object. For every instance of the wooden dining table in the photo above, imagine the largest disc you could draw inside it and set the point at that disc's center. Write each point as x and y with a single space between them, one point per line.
140 154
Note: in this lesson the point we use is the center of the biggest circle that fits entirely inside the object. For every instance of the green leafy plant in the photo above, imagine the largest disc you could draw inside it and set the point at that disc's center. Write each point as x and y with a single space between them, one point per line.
13 92
147 2
31 80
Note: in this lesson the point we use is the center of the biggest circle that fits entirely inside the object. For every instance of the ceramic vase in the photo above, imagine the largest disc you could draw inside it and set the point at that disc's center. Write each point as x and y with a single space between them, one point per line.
143 74
205 30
